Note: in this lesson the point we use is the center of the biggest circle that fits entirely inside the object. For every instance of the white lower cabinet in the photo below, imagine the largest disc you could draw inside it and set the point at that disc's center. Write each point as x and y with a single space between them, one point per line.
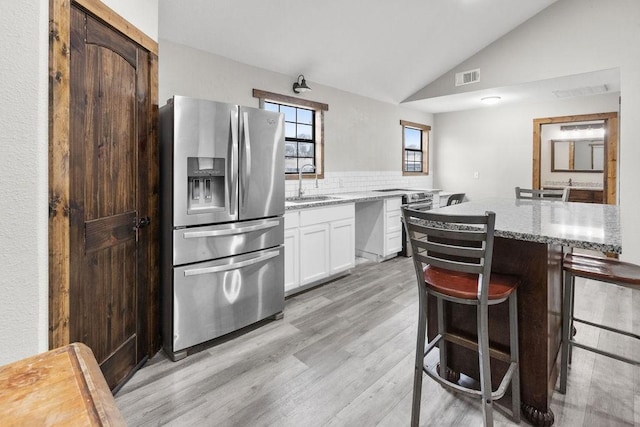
319 243
314 253
291 259
342 244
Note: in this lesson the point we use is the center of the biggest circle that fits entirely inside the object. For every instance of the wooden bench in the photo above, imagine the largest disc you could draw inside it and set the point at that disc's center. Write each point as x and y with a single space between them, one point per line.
62 387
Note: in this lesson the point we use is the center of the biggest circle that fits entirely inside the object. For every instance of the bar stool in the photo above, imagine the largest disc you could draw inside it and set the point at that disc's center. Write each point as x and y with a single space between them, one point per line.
607 270
555 195
452 257
454 199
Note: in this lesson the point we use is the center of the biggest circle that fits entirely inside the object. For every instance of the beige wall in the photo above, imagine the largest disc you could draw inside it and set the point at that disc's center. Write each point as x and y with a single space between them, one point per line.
569 37
361 134
497 142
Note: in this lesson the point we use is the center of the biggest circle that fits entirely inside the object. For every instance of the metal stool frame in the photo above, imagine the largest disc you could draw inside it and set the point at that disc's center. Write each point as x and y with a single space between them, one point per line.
435 239
555 195
606 270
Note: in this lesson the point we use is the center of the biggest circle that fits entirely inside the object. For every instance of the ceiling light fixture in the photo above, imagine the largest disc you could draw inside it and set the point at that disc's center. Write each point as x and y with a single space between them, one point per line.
490 100
300 85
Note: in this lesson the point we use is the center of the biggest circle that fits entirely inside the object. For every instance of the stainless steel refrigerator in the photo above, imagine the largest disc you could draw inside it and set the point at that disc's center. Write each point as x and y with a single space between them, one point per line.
222 199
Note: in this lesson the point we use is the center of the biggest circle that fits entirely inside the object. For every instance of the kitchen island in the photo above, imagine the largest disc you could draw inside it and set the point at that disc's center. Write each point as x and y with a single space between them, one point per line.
530 237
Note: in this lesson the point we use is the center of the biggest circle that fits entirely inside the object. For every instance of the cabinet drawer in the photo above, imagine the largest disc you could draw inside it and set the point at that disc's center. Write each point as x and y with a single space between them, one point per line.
393 204
394 222
326 214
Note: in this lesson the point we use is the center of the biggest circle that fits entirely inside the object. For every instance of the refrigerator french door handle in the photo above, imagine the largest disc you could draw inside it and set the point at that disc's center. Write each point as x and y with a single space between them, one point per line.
229 231
246 170
234 266
232 170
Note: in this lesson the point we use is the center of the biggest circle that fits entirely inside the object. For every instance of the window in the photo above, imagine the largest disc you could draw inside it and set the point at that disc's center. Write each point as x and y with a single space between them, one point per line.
300 145
303 121
415 148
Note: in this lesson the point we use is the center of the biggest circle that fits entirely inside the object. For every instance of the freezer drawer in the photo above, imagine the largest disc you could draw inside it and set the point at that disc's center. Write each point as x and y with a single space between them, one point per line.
213 298
218 241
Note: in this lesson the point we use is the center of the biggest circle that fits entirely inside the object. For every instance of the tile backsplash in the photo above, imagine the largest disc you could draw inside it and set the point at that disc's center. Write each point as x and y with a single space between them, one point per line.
573 183
349 182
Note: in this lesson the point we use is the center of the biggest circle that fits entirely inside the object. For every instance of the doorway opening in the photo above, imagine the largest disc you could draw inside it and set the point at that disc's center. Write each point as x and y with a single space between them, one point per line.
560 140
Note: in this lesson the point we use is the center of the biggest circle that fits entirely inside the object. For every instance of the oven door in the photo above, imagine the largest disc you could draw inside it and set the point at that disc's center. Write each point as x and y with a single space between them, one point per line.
213 298
424 205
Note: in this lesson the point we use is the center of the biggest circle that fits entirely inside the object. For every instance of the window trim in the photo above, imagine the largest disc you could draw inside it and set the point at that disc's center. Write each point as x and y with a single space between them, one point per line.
318 108
425 147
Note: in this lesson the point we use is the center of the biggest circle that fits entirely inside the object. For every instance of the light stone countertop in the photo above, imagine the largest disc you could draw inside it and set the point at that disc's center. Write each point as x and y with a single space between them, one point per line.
341 198
580 225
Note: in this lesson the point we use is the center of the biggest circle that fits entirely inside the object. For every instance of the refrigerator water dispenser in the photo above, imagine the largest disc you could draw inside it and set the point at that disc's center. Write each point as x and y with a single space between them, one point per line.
206 189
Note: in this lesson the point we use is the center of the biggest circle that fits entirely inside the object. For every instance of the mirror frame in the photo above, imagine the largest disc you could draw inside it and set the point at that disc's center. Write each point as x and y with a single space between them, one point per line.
610 174
572 142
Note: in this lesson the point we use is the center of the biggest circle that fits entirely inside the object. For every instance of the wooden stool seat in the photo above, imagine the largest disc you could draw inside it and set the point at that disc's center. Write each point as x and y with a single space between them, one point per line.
608 270
465 285
603 269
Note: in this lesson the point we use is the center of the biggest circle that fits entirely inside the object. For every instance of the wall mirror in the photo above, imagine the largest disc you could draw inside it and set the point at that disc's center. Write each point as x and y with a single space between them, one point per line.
577 155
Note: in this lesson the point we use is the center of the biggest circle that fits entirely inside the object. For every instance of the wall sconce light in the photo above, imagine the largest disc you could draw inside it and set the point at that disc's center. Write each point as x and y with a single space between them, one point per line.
300 85
490 100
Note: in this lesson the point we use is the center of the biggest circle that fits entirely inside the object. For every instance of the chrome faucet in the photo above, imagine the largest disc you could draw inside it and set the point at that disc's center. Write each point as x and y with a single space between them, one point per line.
313 168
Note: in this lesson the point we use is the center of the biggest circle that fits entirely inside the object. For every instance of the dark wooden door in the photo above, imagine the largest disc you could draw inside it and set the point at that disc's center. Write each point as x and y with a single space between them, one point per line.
109 207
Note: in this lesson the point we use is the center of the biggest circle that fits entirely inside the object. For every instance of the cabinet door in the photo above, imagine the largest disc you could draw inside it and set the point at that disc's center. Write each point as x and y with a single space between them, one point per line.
393 227
342 245
291 259
314 253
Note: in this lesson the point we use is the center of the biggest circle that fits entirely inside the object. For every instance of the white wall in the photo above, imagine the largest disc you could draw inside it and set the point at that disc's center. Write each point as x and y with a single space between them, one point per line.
24 250
497 142
361 134
143 14
569 37
23 179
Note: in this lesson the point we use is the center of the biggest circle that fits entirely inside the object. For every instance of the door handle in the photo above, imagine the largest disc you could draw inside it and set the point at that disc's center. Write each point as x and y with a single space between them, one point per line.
229 231
234 266
244 180
141 222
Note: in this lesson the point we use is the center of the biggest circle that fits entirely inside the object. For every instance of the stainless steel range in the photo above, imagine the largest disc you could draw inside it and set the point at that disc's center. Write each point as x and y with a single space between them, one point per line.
222 176
417 199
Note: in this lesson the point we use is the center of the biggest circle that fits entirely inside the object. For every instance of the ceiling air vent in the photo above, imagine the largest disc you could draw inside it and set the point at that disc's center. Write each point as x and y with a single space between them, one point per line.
466 77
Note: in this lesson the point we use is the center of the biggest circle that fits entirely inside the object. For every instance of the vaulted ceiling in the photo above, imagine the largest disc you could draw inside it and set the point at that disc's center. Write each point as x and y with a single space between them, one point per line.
385 50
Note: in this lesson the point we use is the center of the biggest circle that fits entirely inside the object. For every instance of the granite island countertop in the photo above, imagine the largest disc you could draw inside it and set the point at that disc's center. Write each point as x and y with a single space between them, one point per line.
580 225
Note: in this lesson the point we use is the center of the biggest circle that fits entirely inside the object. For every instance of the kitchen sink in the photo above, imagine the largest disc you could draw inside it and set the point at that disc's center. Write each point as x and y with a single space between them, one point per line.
307 199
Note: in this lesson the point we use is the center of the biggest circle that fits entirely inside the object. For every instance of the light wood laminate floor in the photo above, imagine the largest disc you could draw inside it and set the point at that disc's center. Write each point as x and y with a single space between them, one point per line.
343 356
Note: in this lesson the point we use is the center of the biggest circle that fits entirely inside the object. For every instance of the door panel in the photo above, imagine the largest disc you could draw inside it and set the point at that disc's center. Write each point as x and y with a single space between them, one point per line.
261 163
205 156
225 295
108 167
218 241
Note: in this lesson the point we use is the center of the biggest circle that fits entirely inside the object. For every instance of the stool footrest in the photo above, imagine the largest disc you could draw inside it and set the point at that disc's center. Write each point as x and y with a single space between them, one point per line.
434 374
605 353
608 328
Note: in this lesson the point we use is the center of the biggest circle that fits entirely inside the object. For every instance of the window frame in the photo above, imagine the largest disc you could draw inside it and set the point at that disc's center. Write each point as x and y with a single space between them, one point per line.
424 142
318 109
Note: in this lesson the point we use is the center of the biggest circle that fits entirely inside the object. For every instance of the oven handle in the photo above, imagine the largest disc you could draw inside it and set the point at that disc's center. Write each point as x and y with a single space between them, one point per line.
230 231
419 205
234 266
